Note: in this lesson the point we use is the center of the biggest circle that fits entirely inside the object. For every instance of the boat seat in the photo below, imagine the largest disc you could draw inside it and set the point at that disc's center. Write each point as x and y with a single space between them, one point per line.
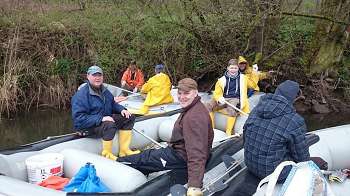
117 176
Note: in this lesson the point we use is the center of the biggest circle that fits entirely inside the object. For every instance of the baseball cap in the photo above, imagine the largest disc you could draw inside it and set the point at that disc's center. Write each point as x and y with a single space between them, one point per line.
94 69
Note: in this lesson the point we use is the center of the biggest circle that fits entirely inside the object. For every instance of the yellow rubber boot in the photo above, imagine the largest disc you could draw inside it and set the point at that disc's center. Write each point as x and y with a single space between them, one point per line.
124 142
230 123
211 114
107 150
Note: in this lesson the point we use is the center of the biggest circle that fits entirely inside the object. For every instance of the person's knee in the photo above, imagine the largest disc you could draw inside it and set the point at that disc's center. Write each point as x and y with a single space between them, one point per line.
232 112
109 130
211 105
127 123
109 125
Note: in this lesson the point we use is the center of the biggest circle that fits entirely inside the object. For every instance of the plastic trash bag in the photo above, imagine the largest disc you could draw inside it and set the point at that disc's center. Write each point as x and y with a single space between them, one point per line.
304 179
86 181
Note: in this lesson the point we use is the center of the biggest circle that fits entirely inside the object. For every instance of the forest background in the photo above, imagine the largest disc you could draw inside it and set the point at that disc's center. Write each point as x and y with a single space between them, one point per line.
47 45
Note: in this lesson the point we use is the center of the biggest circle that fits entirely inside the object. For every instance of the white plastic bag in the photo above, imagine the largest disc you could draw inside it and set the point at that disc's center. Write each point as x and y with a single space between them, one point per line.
304 179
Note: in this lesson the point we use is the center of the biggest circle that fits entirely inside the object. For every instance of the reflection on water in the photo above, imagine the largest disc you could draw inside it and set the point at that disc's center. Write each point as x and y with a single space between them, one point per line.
320 121
40 124
34 126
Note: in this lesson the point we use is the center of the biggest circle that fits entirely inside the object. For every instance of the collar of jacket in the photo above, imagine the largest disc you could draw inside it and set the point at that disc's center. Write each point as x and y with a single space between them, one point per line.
136 71
195 100
227 74
92 92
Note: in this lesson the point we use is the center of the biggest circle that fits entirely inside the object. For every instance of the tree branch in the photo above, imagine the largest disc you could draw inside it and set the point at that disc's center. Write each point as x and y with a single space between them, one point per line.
316 17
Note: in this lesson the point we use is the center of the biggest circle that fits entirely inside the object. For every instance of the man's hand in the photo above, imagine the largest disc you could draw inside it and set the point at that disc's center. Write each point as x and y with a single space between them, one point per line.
119 99
107 118
135 90
193 191
222 100
125 113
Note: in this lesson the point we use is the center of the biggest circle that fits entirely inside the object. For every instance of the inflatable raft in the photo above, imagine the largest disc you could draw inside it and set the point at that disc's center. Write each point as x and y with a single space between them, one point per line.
219 179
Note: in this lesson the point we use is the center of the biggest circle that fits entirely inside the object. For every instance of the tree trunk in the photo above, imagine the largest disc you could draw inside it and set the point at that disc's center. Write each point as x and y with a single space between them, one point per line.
330 38
268 12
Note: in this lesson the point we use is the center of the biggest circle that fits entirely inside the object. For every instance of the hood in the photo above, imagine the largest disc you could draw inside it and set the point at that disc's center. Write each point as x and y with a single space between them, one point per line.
272 106
248 69
288 89
241 59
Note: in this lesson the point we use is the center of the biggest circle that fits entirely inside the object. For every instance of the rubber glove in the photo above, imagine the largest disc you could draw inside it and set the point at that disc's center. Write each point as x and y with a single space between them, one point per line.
222 100
255 67
123 83
194 191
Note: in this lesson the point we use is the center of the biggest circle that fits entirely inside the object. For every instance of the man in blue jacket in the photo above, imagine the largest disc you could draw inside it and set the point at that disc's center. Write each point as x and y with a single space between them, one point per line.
94 111
274 132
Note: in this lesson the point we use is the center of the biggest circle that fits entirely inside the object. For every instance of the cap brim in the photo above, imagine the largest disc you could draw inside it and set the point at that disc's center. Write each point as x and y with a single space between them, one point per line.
95 72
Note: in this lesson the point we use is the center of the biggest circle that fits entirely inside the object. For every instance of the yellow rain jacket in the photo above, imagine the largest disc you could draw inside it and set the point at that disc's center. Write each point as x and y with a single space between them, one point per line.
157 89
243 86
253 77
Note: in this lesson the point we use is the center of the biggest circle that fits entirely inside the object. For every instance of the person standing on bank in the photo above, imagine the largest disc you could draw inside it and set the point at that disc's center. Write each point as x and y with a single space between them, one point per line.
94 111
157 90
190 143
274 132
132 79
231 88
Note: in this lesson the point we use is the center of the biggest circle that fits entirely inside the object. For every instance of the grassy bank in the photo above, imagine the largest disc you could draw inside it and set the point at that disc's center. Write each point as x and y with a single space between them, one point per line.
47 45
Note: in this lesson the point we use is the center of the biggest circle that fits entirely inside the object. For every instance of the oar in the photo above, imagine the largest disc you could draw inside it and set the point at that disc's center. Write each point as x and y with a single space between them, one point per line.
234 107
142 118
149 138
138 94
133 95
163 114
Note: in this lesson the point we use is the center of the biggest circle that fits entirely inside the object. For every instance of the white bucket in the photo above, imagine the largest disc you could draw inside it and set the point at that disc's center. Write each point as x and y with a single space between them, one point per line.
41 166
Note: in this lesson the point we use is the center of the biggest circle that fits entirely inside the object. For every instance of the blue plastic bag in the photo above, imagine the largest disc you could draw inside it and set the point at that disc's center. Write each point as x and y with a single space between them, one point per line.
86 181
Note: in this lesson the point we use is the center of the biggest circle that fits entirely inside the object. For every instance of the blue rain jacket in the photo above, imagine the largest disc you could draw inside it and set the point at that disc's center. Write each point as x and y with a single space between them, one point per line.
88 108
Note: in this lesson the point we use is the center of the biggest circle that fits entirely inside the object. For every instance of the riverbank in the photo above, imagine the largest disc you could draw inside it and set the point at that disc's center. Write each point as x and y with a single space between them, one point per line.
48 45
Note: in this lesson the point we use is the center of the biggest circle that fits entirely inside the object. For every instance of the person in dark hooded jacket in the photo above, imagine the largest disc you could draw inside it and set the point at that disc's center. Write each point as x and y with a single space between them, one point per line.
274 133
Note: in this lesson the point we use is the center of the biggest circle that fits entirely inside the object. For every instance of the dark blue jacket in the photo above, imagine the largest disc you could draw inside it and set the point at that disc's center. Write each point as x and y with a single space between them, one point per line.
274 133
88 108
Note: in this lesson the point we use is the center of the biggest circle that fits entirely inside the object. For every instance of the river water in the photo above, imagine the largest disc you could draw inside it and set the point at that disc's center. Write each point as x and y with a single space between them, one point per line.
38 125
